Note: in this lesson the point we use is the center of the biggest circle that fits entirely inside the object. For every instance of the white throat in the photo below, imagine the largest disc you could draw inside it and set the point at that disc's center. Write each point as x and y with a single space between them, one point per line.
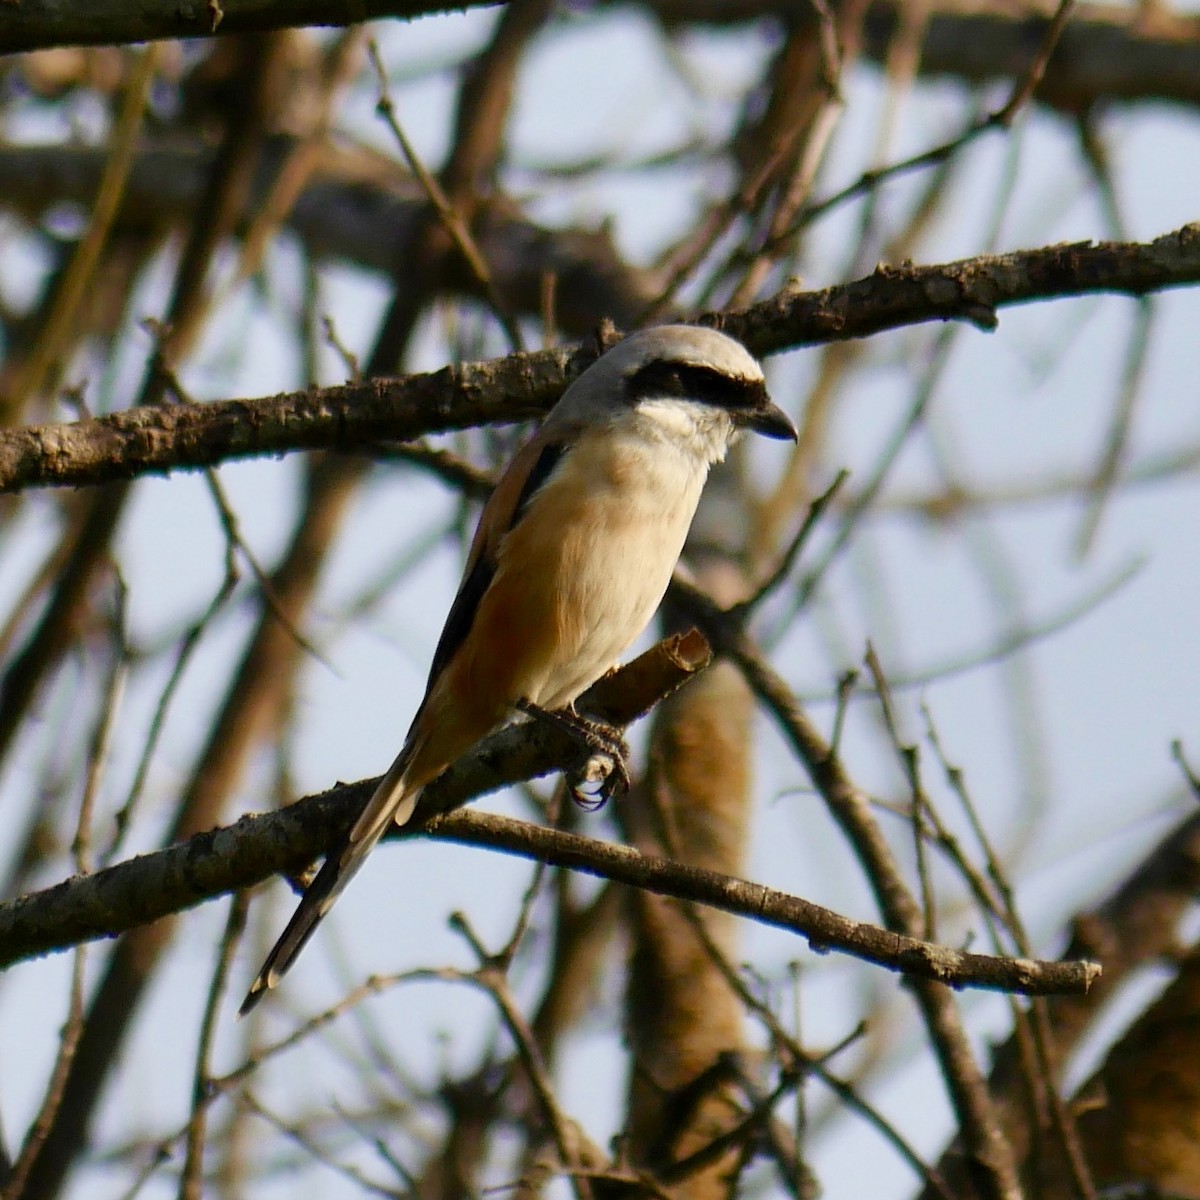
697 429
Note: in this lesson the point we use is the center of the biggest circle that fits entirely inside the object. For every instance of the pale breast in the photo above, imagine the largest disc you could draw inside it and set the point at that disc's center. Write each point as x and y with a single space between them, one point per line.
595 552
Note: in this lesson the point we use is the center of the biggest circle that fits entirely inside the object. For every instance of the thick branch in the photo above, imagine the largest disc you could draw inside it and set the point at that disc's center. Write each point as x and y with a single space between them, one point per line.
131 443
358 207
352 416
1107 51
241 855
209 864
36 24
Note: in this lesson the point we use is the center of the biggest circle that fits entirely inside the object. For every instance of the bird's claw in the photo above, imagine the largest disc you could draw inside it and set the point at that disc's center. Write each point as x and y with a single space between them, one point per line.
604 773
604 768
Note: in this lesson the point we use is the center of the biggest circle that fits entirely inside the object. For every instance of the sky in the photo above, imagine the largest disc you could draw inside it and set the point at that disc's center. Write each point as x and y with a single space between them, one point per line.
1074 788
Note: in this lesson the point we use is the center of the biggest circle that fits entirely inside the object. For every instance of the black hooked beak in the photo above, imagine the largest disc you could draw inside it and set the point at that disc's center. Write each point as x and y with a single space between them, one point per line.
768 419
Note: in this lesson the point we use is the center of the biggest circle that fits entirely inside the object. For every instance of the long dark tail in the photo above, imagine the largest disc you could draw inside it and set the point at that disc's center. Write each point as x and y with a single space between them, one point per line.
392 801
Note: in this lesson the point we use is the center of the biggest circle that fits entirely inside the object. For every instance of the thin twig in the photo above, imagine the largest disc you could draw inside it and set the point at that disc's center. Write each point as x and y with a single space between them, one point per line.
191 1181
816 510
1000 119
451 221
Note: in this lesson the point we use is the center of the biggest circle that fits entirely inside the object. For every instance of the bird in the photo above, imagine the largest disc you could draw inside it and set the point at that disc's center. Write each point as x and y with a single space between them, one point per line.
572 555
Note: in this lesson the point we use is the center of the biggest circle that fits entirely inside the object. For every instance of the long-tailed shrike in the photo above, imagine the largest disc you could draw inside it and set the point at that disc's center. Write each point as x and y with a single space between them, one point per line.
572 555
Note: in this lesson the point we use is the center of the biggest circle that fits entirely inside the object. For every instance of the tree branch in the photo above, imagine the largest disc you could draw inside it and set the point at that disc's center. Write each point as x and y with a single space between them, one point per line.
36 24
200 867
357 206
152 886
824 929
209 865
353 416
1107 52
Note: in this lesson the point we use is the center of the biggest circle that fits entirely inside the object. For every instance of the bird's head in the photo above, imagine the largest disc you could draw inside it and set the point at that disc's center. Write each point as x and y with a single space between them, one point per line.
684 378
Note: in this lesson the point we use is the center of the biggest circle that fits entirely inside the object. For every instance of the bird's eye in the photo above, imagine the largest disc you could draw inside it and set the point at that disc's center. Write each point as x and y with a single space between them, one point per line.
689 381
656 379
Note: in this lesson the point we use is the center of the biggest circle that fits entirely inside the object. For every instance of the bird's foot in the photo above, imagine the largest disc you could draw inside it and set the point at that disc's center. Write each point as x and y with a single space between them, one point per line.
603 774
604 770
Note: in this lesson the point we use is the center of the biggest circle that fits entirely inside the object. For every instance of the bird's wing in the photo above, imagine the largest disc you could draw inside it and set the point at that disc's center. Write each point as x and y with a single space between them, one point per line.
527 472
395 797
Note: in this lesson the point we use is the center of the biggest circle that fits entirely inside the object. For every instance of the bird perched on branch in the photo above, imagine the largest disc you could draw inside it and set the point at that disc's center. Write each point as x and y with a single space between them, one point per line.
573 554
